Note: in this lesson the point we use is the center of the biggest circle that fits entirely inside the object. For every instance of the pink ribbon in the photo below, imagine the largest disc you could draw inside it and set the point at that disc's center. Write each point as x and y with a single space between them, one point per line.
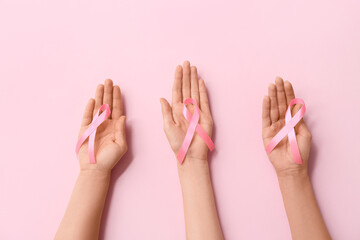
288 129
193 126
91 131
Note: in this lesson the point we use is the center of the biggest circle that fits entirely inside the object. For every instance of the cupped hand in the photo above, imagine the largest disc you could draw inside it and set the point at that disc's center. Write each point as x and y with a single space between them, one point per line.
110 140
187 85
275 106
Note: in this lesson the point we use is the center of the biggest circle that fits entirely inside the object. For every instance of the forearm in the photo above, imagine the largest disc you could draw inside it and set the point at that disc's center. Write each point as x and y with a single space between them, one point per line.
83 214
301 208
201 219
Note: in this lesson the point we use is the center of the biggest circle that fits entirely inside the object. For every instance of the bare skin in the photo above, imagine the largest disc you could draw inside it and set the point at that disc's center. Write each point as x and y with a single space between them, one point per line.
300 204
83 214
201 218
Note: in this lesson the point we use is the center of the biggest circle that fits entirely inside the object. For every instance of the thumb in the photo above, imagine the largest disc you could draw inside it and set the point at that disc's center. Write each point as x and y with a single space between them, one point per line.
166 111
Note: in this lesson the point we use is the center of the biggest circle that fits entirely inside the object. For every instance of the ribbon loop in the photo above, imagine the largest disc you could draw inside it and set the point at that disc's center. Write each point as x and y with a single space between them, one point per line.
91 131
288 129
193 120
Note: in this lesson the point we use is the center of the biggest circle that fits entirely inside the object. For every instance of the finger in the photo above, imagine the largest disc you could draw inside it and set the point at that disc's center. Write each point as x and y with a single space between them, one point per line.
266 121
274 110
186 80
204 100
289 91
281 97
120 132
195 85
98 97
166 112
117 110
88 113
177 86
108 91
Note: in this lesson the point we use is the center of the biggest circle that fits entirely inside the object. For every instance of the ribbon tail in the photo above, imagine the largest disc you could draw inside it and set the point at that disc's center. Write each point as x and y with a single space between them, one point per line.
294 147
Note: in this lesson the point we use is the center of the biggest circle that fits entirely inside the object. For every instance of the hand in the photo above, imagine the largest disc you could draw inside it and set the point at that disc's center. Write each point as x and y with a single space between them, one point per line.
110 140
187 85
273 119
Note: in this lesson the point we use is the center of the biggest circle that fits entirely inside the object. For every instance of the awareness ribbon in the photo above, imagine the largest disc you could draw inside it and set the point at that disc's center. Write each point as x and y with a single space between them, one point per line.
91 131
193 120
288 129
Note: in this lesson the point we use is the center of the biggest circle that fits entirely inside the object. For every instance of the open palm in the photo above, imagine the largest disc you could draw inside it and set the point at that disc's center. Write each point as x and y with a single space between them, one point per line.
110 140
275 105
186 85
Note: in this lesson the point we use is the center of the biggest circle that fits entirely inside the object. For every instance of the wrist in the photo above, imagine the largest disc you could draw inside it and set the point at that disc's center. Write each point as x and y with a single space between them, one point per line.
192 167
295 172
95 173
293 178
191 163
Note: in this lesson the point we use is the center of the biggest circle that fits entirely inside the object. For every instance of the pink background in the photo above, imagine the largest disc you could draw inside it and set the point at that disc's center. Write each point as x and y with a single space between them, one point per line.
54 53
